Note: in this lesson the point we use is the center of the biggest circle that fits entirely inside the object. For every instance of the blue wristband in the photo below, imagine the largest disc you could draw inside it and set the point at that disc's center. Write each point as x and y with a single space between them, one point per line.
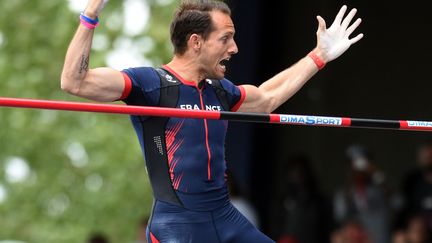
89 20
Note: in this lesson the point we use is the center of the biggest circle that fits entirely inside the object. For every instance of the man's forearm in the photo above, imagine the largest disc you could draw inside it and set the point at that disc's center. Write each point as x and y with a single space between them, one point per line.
77 59
286 83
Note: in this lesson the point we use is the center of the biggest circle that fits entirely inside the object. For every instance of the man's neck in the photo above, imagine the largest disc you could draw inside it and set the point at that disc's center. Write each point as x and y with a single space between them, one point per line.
186 68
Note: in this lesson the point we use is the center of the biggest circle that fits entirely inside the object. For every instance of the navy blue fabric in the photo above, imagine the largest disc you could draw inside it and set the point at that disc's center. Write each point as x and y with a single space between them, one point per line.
197 167
171 223
145 86
233 90
191 143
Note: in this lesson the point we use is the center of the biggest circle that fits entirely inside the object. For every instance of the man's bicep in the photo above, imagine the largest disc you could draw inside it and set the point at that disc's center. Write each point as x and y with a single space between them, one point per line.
103 84
254 101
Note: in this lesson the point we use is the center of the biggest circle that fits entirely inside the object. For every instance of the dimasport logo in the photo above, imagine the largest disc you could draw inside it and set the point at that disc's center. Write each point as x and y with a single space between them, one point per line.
311 120
419 124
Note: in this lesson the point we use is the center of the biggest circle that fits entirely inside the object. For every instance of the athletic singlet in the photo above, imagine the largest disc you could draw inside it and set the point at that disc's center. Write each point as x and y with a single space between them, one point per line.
194 148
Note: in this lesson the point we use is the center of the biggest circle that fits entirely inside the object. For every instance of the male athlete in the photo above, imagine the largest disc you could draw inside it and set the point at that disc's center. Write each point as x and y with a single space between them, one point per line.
185 157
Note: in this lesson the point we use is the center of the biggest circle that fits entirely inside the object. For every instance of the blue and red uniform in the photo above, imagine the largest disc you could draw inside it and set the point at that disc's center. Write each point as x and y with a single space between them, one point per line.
185 158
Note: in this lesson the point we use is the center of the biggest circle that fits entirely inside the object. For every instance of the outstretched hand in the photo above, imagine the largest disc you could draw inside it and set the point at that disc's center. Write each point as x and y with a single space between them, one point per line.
334 41
95 7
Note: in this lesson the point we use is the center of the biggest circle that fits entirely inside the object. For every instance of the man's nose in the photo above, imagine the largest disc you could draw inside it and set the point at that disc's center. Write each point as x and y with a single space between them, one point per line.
234 49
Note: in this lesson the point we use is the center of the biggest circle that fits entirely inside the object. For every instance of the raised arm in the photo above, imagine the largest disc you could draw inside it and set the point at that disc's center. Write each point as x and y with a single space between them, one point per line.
99 84
331 43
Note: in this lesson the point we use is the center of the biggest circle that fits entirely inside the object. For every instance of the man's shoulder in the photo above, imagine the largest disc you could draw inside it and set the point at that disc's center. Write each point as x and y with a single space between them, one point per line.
144 77
141 70
219 83
228 86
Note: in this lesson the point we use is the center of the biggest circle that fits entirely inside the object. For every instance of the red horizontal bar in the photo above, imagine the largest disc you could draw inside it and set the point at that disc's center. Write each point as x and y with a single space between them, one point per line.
108 108
219 115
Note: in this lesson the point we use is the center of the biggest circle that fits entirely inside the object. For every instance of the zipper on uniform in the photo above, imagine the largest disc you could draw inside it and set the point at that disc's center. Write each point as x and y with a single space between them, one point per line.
206 136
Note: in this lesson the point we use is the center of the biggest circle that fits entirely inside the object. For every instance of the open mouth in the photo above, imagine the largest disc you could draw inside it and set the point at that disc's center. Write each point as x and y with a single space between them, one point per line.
223 63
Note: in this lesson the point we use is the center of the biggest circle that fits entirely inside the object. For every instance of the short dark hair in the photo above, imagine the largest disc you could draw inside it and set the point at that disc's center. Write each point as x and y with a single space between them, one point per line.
193 17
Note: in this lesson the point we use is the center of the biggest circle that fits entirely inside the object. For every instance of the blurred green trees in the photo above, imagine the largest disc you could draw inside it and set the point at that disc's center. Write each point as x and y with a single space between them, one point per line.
65 175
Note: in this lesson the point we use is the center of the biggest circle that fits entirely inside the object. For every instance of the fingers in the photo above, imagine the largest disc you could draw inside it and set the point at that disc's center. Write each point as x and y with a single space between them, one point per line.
354 26
321 24
348 18
96 6
340 15
355 39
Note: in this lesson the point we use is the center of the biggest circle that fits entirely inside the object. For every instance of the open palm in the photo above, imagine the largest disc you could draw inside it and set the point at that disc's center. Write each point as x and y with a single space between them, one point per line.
335 40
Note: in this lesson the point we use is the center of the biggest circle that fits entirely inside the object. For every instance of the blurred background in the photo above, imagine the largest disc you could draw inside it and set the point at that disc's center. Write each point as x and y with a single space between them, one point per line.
66 176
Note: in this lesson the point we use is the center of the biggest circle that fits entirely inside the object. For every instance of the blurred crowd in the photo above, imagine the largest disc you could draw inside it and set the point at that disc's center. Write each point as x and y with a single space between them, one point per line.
365 209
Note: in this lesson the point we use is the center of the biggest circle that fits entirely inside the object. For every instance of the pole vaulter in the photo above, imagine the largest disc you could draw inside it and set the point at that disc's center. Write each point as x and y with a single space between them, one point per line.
288 119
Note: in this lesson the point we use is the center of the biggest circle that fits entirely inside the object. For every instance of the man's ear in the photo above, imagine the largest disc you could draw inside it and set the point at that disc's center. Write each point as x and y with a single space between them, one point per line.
195 42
